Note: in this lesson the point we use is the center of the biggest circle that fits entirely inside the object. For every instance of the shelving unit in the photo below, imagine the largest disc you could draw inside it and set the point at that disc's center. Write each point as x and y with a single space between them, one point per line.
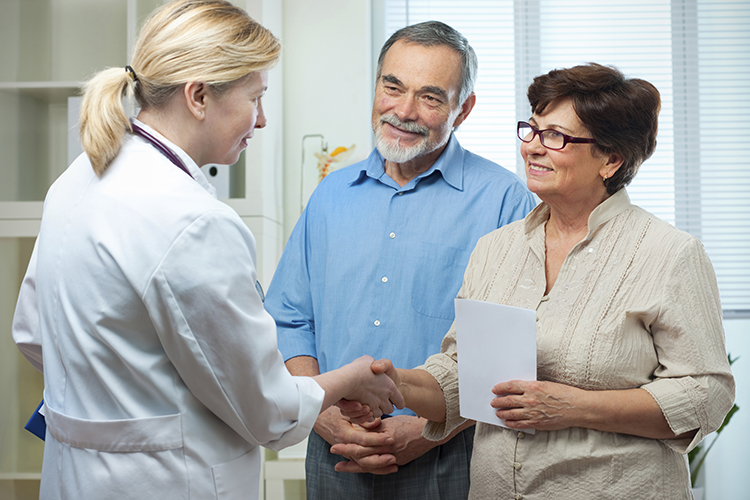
49 48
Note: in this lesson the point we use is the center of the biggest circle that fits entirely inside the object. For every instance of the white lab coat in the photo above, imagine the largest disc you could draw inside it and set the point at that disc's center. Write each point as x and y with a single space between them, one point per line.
161 371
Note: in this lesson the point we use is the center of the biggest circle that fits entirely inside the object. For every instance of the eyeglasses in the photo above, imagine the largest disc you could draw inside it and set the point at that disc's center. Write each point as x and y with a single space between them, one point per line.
550 139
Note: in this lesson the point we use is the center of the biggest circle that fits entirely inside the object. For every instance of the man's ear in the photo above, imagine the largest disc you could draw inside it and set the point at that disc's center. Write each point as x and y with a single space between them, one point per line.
195 98
466 108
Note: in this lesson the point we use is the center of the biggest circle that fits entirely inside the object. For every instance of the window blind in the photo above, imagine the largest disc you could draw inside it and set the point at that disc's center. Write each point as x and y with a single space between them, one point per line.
696 52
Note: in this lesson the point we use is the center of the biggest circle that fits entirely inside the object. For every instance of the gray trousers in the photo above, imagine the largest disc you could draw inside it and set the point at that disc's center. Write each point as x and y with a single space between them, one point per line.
441 473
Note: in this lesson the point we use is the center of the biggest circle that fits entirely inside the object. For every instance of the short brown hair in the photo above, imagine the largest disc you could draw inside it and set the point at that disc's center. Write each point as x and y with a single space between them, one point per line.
620 113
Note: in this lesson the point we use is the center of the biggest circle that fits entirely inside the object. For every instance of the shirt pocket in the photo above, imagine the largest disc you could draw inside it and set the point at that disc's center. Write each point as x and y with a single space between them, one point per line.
238 479
438 276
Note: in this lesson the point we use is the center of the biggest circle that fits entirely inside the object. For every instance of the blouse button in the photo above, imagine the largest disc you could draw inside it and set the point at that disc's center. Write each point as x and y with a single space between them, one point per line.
376 322
384 279
392 235
517 465
519 496
545 298
521 435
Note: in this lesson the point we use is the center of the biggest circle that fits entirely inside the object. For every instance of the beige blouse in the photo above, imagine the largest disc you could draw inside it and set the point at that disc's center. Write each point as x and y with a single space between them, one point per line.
635 304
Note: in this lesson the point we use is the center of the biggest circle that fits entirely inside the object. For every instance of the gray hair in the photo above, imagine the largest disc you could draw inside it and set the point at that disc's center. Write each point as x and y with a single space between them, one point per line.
430 34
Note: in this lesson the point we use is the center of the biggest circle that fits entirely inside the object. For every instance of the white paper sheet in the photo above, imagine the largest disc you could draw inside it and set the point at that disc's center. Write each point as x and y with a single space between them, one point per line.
495 344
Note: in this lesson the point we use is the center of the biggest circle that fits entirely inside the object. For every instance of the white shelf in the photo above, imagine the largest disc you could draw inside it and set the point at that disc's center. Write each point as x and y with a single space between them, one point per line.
20 476
47 92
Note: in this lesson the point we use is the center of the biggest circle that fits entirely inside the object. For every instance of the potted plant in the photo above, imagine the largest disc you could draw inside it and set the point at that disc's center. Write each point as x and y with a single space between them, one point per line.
697 456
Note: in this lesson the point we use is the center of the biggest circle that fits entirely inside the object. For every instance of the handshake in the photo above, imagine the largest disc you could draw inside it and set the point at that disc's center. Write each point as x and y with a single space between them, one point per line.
363 390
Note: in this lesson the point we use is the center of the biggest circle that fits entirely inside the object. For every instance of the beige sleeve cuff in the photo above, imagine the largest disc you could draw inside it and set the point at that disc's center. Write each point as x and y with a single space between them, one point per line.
682 402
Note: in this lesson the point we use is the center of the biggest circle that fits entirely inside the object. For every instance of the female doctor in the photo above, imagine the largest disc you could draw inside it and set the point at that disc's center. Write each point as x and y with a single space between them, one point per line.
160 365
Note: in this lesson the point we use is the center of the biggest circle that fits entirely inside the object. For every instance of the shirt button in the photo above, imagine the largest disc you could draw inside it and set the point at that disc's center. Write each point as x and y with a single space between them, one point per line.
384 279
401 193
376 322
591 250
521 435
517 465
392 235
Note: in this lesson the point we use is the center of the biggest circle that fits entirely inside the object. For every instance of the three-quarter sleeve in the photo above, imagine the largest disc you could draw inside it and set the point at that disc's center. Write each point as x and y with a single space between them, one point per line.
693 384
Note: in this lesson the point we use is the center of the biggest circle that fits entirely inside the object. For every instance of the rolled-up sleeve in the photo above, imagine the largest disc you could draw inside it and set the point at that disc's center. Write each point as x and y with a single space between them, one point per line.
289 299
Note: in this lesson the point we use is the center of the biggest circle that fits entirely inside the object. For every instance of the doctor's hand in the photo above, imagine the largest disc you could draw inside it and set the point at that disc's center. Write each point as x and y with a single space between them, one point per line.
374 390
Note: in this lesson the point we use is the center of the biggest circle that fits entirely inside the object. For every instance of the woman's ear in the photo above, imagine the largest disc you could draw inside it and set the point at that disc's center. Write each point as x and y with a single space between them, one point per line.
614 162
195 97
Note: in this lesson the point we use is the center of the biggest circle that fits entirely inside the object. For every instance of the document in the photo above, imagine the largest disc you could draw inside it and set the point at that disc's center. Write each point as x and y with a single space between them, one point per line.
495 344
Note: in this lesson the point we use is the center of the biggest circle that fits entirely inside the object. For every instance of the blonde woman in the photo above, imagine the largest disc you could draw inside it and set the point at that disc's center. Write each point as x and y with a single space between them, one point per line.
161 371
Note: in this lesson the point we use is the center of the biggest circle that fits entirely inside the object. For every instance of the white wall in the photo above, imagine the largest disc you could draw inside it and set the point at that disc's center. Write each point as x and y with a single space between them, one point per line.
728 463
328 73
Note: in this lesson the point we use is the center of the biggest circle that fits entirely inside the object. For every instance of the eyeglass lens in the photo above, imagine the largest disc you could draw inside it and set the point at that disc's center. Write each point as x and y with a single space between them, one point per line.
549 138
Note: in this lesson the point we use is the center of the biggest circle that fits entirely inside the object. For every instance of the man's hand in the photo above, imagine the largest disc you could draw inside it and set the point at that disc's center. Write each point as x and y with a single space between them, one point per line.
336 429
406 445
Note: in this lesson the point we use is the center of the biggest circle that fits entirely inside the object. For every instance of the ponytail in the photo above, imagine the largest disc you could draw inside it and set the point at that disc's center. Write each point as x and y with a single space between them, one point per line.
210 41
103 122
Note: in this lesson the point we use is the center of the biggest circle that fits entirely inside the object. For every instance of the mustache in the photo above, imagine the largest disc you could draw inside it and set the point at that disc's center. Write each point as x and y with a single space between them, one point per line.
408 126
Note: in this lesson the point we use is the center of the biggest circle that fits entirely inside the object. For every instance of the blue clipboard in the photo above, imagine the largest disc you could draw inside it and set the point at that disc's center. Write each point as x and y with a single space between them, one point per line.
36 424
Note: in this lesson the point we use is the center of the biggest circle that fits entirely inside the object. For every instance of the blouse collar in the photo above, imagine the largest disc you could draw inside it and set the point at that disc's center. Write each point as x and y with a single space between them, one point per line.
605 211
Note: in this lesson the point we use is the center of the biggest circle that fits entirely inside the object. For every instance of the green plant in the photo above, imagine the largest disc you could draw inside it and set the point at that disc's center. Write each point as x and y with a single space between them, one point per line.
695 457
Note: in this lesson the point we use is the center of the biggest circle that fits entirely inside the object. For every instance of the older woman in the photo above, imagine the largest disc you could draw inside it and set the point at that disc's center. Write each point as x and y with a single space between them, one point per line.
632 368
160 365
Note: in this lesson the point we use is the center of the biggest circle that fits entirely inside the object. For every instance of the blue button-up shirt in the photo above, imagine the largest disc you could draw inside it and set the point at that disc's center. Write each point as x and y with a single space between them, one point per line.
372 267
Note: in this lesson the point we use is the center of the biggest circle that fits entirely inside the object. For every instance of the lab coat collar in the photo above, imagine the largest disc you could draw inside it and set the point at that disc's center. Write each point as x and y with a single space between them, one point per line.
191 166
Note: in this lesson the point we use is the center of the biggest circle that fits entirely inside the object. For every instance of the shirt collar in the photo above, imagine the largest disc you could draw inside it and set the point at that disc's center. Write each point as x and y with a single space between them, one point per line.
450 164
192 167
607 210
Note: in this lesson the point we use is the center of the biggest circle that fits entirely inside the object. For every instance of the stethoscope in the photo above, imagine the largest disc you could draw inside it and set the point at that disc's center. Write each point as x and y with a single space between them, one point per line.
162 148
176 160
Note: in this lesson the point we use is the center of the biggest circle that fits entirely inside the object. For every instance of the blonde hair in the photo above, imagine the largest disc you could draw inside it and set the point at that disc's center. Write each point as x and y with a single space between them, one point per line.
209 41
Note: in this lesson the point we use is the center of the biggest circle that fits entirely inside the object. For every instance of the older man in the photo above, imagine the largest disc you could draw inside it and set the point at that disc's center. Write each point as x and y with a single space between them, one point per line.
377 257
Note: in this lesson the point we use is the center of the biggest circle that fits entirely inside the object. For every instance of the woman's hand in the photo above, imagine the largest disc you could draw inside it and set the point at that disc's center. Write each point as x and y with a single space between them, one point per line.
546 406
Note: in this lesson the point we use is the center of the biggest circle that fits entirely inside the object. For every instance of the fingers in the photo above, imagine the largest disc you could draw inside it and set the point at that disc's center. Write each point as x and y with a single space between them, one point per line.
371 425
349 406
367 456
382 366
354 467
364 420
510 387
385 367
370 439
355 411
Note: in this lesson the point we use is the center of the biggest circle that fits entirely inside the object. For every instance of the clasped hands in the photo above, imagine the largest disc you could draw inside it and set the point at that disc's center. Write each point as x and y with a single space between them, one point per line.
355 431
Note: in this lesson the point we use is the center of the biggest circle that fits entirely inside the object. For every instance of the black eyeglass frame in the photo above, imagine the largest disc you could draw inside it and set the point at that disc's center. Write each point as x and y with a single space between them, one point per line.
566 138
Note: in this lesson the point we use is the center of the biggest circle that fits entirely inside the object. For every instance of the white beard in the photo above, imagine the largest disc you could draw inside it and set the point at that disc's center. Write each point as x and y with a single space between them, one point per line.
394 152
